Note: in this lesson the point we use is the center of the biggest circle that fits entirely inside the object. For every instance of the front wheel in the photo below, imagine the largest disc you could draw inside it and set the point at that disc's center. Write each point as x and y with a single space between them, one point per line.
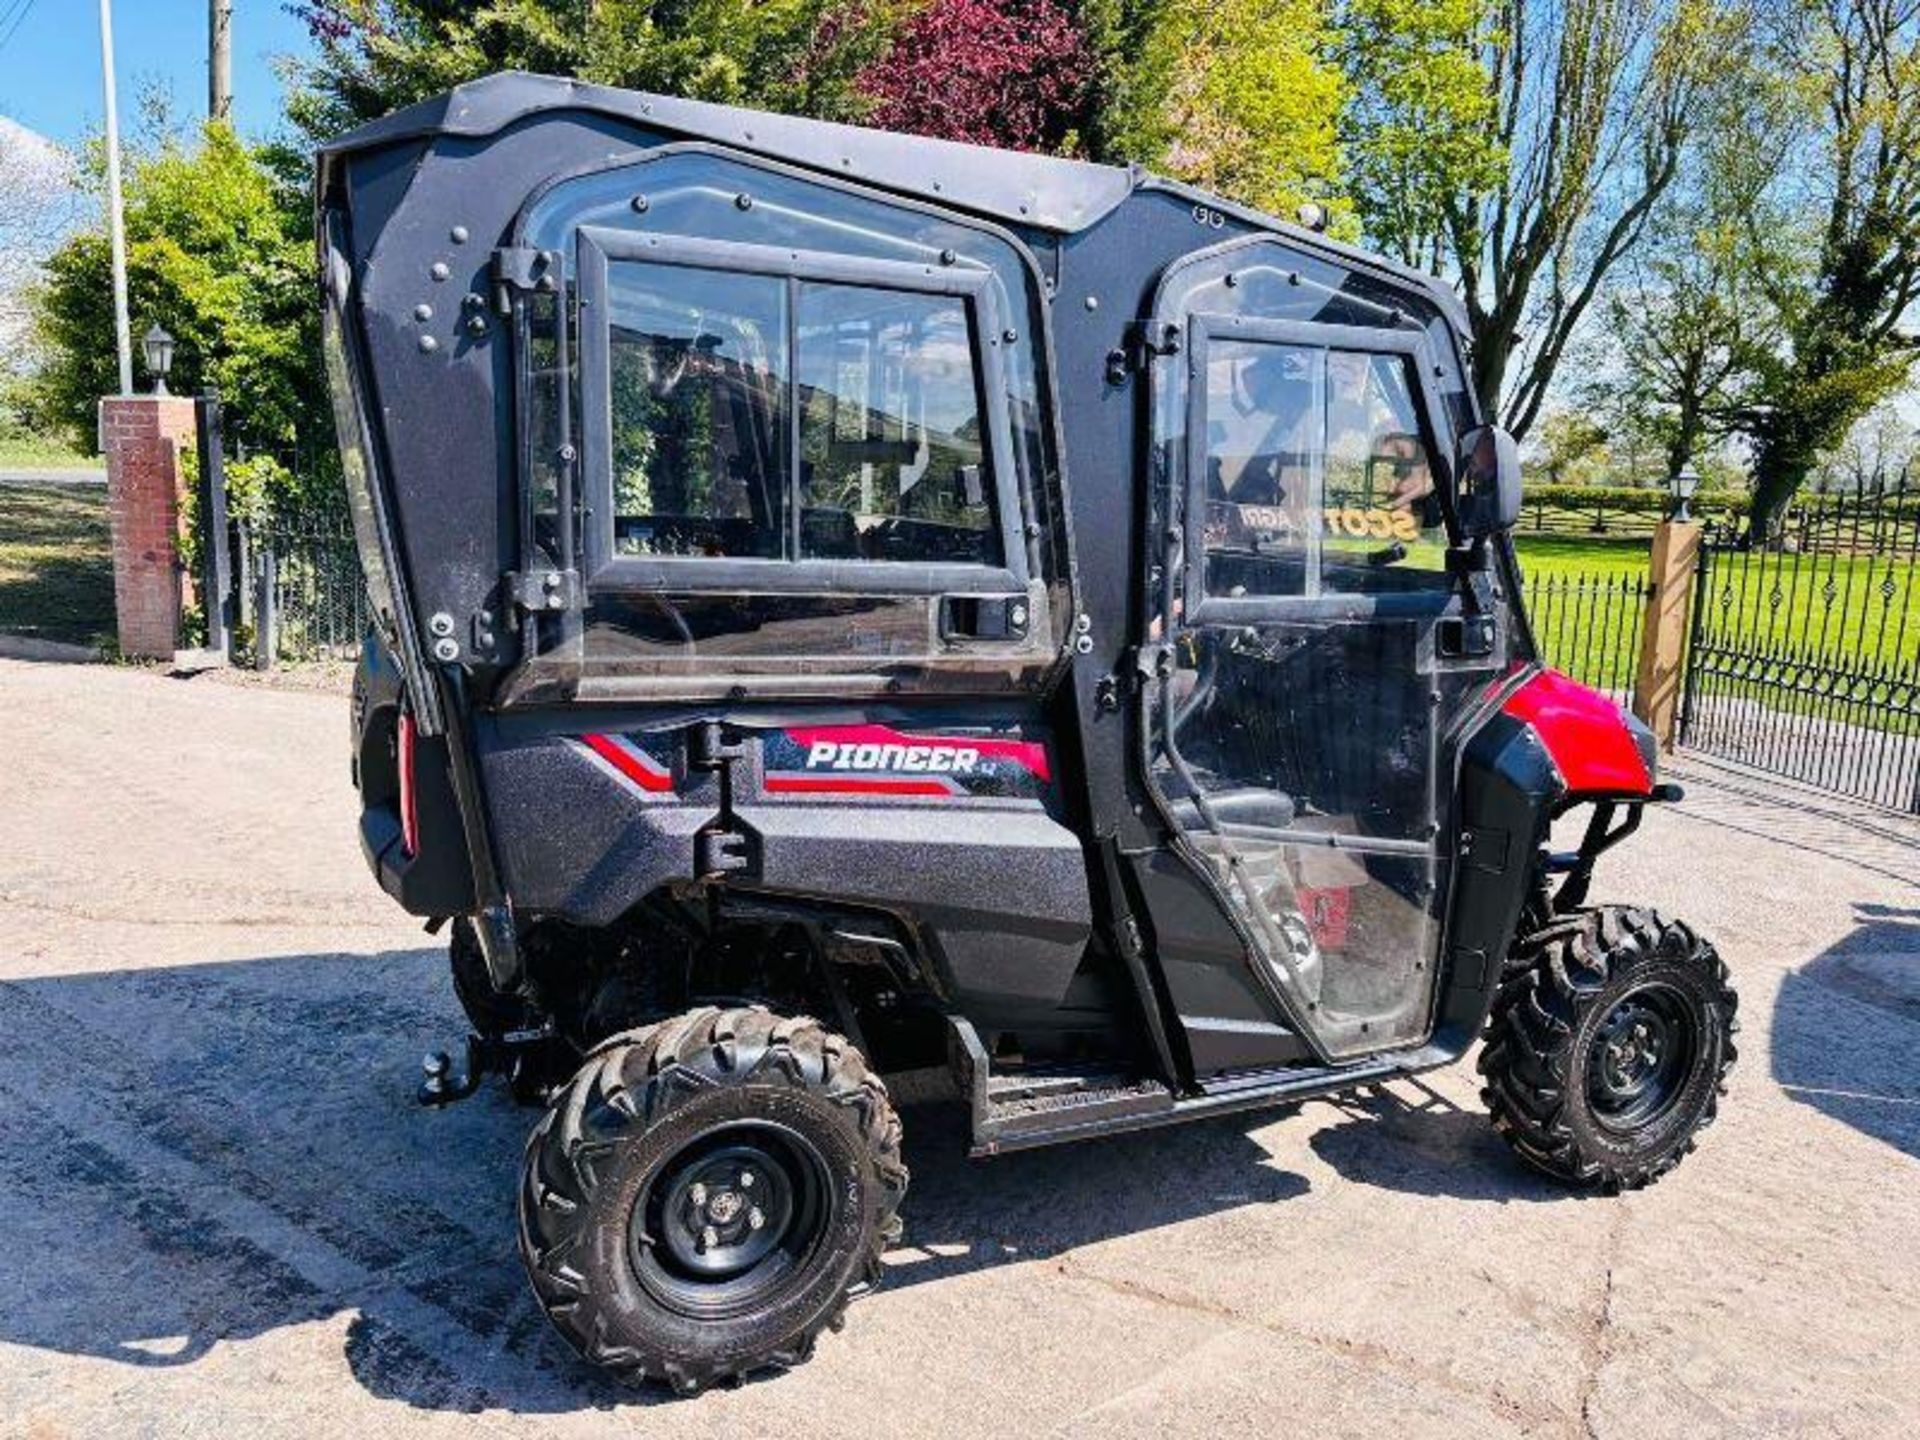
706 1195
1609 1046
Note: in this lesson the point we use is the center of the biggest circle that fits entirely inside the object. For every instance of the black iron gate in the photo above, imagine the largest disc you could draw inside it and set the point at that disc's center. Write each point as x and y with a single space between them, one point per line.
1804 657
281 586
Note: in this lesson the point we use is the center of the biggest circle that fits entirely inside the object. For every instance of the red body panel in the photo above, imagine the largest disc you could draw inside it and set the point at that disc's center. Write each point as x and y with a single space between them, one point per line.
1584 732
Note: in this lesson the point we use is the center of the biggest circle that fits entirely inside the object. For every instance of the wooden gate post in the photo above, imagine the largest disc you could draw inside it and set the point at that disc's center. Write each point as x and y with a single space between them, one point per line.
1663 635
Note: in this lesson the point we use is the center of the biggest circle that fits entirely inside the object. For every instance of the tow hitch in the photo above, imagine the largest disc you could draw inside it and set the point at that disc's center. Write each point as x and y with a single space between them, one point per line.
514 1055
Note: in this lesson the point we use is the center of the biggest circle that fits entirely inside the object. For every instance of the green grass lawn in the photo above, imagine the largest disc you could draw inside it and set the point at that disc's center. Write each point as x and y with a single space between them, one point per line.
1850 607
1584 596
56 563
1833 637
31 452
1542 555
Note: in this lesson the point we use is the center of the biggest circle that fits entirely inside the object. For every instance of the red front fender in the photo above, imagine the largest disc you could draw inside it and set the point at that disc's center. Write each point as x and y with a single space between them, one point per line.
1595 745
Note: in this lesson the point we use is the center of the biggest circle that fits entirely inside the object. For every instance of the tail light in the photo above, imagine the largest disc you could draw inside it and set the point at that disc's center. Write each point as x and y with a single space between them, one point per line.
409 805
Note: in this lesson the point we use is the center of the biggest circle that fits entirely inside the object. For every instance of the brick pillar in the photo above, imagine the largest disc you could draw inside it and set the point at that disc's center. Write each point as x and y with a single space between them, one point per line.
1663 628
150 506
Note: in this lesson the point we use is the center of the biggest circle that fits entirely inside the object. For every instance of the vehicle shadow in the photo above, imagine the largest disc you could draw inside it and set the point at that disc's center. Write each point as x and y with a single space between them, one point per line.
208 1153
1411 1138
1846 1028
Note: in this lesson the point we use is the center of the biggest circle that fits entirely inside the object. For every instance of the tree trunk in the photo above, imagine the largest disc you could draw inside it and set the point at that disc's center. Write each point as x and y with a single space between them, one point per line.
1784 459
1686 439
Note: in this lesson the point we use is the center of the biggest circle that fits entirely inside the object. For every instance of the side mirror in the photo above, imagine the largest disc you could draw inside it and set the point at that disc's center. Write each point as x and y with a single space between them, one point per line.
1488 466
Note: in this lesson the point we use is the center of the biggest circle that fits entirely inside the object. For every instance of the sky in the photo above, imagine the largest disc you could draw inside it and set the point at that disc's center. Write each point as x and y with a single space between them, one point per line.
50 60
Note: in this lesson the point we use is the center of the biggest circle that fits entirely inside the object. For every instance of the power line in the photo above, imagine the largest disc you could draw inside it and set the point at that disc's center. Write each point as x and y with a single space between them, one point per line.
19 17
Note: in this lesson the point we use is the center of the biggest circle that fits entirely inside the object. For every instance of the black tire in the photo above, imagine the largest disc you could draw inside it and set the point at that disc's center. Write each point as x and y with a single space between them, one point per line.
490 1013
616 1181
1608 1047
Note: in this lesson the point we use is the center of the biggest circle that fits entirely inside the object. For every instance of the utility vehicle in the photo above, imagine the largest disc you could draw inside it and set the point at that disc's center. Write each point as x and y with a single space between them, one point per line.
849 605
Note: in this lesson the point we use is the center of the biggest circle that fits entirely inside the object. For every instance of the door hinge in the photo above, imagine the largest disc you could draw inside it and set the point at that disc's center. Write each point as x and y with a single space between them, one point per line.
1143 342
724 845
522 268
718 851
537 591
708 747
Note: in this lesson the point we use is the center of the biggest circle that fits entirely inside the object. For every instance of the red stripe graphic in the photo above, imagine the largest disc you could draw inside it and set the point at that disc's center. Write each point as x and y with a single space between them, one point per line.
1030 755
633 764
857 785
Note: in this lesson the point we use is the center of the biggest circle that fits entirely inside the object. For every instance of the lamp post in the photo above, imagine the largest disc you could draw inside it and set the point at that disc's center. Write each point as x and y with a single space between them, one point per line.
1684 486
116 224
158 347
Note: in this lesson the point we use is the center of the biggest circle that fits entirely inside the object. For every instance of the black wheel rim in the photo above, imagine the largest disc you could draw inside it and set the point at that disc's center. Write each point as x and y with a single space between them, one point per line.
729 1219
1640 1058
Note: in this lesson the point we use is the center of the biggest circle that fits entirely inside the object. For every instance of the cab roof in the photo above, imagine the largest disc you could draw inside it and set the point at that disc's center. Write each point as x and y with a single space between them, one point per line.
1039 190
1017 188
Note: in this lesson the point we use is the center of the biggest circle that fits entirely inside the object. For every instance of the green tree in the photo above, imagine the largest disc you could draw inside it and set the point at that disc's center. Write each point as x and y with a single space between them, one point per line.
1253 101
1844 167
1689 333
1531 190
1239 96
1421 118
1876 456
221 255
1136 54
1572 448
802 57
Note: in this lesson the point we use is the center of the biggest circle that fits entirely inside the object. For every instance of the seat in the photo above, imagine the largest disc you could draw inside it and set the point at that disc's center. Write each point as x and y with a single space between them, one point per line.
1243 805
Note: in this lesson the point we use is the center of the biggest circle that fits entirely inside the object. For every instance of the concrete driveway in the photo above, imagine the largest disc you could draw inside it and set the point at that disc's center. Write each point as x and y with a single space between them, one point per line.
221 1214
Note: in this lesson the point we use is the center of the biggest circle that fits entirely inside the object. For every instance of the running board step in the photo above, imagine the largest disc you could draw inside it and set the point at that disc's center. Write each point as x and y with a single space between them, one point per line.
1016 1124
1022 1111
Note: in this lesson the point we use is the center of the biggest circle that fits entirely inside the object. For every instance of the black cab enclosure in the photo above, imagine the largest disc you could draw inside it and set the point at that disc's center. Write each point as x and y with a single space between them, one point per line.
1052 624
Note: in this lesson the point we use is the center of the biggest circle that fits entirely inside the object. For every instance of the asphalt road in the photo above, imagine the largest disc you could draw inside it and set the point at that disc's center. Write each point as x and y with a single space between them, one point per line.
221 1214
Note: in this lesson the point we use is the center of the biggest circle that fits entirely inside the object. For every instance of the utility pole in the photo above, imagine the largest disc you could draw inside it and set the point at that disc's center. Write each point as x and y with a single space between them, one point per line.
219 59
116 221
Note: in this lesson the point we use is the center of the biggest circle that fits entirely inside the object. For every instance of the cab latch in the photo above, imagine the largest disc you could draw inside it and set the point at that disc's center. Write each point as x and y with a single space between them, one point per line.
1466 636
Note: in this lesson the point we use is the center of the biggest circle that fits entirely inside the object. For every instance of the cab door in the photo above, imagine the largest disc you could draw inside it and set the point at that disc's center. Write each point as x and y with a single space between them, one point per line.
1310 649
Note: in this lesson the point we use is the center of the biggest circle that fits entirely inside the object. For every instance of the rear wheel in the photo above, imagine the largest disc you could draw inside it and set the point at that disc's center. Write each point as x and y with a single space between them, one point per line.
707 1194
1608 1046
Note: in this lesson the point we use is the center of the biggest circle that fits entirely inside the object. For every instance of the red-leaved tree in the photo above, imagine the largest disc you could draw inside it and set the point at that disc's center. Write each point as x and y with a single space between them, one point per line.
1013 73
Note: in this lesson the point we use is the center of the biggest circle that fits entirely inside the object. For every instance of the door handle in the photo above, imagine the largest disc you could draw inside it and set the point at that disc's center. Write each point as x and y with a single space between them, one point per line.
984 617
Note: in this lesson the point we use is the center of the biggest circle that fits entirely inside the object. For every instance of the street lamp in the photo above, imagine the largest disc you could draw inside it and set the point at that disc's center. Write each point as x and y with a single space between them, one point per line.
158 346
1684 486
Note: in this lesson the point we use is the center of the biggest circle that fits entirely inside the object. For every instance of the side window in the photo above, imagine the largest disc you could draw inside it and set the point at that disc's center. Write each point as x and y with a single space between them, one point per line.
1382 519
1317 476
892 461
1263 442
698 391
770 417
